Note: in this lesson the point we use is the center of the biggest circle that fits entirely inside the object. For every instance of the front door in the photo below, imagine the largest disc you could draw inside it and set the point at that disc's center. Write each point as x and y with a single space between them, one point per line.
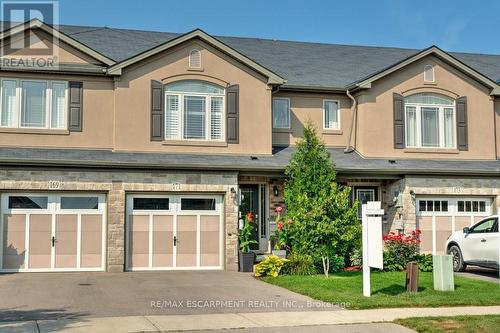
253 199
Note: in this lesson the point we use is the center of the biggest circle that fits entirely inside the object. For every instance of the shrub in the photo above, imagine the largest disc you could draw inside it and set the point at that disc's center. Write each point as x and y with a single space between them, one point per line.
425 262
300 264
271 266
324 220
400 249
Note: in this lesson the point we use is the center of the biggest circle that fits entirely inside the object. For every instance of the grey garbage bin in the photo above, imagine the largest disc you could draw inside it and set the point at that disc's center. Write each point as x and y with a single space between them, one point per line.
443 272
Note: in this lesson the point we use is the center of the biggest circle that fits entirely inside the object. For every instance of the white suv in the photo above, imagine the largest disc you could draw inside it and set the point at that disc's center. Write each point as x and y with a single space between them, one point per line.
477 245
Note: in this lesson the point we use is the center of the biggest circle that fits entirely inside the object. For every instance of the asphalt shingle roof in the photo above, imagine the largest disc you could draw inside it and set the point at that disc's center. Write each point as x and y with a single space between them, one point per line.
300 63
350 163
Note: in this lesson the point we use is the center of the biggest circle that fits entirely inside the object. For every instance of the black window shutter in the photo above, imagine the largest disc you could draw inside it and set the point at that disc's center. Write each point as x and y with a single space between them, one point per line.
157 114
399 121
462 140
75 102
233 113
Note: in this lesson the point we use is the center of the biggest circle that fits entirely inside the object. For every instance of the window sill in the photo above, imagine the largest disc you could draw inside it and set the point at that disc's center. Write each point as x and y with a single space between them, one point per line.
192 69
282 130
196 143
432 150
34 131
332 132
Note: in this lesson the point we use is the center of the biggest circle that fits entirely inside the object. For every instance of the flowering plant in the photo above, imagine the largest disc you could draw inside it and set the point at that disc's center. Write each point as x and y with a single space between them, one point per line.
400 249
282 232
245 233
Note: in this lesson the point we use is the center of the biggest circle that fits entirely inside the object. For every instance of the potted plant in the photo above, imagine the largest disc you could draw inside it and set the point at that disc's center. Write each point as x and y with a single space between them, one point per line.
246 257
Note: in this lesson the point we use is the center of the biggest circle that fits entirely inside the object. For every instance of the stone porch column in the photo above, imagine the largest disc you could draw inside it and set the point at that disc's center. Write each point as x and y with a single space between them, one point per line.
116 228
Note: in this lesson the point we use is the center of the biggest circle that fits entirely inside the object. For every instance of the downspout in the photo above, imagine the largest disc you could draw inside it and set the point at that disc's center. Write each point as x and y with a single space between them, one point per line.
354 108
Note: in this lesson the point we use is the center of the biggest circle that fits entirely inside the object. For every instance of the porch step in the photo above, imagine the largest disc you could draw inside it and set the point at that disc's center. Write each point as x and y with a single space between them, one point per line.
260 257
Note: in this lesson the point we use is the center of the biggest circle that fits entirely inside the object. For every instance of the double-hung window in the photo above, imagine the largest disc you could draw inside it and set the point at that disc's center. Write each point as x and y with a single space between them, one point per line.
281 113
331 116
430 121
33 104
194 110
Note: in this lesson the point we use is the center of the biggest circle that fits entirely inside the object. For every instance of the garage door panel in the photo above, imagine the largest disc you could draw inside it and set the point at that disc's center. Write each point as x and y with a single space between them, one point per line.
462 222
66 236
186 240
209 240
91 241
425 225
14 228
139 240
163 240
40 245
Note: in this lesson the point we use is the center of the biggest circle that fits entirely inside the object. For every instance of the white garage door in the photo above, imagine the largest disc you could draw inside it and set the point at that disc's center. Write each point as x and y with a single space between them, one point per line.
174 232
43 232
438 217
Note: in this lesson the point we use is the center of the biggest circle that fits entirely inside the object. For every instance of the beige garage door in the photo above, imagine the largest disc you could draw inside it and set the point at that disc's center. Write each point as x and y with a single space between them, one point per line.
52 232
438 217
169 232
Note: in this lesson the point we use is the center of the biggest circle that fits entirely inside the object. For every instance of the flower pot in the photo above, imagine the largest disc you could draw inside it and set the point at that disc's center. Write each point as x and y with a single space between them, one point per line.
280 253
245 261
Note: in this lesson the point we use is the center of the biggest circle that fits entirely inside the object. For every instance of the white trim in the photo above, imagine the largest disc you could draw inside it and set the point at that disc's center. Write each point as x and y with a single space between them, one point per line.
426 68
53 209
434 234
453 205
78 240
441 125
338 114
175 211
198 53
48 103
287 99
208 115
150 240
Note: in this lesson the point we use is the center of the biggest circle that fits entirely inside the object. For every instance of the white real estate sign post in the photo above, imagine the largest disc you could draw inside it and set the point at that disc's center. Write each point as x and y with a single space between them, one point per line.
372 241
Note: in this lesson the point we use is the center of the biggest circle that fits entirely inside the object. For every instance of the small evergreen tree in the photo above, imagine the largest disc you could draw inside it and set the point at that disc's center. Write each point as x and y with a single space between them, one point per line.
325 222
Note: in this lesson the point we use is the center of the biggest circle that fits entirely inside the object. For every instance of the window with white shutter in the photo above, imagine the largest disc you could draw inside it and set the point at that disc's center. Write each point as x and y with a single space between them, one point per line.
33 104
194 110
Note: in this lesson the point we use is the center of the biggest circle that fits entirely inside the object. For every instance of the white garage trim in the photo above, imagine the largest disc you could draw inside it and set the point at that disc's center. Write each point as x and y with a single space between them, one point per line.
53 209
174 211
453 211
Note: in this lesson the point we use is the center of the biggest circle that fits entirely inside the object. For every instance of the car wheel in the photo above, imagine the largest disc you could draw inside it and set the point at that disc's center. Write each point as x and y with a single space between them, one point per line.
458 260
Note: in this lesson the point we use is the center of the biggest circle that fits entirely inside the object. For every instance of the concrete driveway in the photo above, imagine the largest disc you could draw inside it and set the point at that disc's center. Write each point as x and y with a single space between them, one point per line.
32 296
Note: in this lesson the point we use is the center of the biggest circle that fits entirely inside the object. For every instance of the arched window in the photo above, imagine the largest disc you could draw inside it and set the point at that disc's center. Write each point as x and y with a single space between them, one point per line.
429 73
194 110
195 59
430 121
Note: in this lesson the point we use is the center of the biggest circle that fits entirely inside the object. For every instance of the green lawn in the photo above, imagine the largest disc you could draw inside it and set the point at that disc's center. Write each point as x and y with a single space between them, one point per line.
459 324
388 290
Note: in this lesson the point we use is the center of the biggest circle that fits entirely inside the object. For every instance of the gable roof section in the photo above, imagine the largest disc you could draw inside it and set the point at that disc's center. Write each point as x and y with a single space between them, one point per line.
37 24
198 33
433 50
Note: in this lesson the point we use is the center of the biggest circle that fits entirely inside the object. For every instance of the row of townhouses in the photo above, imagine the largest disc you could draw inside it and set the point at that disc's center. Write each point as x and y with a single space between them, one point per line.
140 149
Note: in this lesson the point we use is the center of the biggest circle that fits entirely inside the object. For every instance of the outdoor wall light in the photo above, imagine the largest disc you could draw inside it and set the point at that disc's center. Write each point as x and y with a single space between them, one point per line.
233 192
276 192
413 195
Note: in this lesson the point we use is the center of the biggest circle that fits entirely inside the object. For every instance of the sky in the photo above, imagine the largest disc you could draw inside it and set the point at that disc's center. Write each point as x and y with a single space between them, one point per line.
453 25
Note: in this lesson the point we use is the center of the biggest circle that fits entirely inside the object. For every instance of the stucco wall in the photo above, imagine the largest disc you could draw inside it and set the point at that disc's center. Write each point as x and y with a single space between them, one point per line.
98 106
309 106
132 97
375 112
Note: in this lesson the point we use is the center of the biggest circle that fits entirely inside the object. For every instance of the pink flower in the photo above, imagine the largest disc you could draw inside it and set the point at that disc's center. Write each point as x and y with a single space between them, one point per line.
280 226
279 209
290 221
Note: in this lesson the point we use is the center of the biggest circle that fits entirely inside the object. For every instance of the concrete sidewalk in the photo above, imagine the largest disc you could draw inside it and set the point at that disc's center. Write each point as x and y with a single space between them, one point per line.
235 320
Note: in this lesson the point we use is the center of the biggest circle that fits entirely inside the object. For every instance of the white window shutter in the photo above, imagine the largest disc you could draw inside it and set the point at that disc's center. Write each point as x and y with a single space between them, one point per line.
172 123
216 118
